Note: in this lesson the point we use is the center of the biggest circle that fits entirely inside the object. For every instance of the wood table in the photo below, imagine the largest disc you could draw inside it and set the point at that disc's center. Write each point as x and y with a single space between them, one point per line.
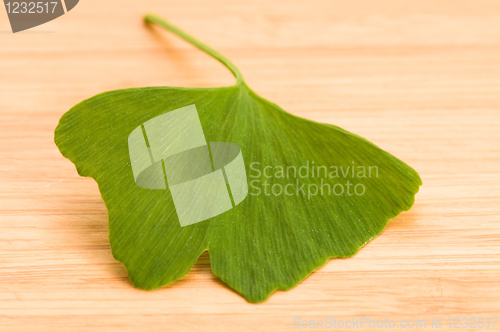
421 79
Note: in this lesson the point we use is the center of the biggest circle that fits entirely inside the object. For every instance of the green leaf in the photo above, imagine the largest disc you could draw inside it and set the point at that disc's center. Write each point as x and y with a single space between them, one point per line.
267 241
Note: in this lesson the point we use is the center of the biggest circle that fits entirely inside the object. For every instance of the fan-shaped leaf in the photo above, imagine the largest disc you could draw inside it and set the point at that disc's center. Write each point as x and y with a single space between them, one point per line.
288 224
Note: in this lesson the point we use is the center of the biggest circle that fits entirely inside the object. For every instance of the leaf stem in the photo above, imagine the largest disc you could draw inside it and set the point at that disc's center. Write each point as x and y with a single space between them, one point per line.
151 18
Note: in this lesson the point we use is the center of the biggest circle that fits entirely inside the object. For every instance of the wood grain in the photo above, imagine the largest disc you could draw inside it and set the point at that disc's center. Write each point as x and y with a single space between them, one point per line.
421 79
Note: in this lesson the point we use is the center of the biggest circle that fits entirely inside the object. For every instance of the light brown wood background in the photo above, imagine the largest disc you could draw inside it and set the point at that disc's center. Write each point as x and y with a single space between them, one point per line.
421 79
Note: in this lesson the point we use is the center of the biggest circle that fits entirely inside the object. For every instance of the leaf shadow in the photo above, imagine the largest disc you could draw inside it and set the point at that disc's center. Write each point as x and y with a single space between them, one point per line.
201 270
185 65
406 219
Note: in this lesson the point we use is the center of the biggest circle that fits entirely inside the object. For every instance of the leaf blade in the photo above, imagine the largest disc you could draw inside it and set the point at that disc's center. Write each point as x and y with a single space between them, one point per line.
264 243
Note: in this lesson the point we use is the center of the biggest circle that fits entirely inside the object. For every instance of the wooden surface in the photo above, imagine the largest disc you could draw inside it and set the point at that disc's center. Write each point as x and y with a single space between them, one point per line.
421 79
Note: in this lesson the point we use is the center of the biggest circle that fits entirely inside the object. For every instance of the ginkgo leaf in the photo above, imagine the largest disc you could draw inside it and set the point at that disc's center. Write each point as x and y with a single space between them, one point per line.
314 191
